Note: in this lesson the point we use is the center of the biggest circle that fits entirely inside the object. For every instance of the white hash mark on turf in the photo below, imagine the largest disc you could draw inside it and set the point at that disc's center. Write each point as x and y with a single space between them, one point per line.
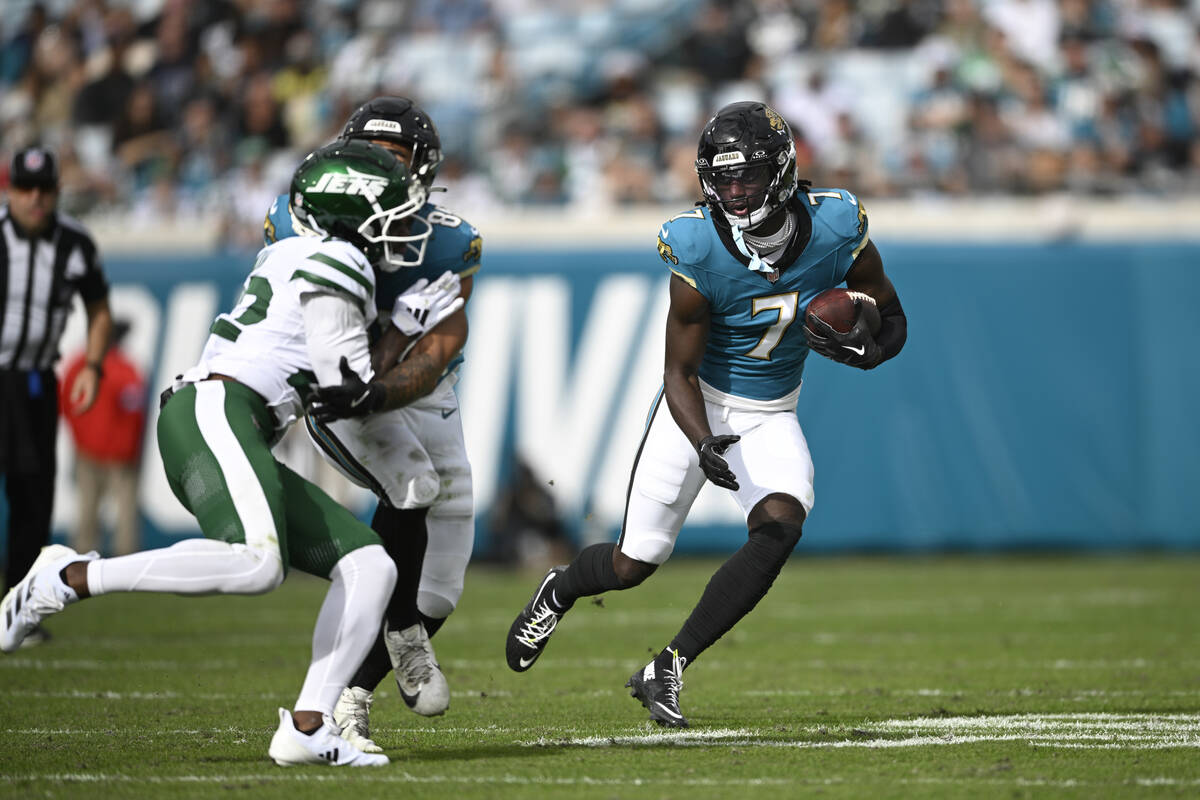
1100 731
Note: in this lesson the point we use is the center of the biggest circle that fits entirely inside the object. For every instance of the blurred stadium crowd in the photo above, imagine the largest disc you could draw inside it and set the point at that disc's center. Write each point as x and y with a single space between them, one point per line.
172 108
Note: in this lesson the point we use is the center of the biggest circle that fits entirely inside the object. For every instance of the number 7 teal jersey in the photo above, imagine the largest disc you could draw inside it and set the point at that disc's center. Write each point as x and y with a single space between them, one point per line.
261 343
756 348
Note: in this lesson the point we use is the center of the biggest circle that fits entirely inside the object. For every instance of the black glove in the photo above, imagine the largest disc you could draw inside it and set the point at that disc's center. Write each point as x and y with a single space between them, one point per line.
353 397
857 347
716 469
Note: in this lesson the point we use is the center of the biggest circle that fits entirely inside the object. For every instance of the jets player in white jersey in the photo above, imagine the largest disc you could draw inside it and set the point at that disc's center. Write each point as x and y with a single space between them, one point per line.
413 458
302 318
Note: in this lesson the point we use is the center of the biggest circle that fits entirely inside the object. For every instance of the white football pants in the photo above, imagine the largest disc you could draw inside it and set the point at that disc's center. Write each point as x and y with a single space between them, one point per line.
415 457
771 458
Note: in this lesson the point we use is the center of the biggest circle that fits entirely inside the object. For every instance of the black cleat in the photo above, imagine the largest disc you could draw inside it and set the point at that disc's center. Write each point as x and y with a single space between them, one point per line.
532 628
659 689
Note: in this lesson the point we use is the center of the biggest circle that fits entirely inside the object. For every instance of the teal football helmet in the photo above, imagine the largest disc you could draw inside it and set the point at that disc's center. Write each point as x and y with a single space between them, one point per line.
360 192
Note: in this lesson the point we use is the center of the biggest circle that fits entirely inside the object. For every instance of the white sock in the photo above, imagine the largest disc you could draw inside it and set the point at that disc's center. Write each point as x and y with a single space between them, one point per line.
347 625
192 566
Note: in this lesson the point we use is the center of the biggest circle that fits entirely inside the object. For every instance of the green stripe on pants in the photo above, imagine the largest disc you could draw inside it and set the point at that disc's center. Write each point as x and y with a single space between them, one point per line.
213 437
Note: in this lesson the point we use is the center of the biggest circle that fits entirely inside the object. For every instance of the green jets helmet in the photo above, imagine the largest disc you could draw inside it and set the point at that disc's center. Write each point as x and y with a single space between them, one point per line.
362 193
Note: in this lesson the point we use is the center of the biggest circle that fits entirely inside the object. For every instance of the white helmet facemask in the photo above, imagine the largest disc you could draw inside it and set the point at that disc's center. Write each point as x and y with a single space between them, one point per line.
401 231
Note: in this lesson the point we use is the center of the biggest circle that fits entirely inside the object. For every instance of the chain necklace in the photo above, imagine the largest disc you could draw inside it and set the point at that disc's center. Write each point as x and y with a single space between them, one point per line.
775 240
767 247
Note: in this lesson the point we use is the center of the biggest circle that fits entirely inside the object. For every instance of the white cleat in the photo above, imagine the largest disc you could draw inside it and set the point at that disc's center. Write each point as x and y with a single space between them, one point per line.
351 716
39 594
290 747
422 685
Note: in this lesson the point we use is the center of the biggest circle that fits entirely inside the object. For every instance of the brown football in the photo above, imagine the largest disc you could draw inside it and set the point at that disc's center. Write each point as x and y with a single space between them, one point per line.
835 307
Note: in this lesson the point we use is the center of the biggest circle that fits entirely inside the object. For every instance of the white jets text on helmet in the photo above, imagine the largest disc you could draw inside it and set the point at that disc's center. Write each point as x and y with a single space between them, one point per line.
352 183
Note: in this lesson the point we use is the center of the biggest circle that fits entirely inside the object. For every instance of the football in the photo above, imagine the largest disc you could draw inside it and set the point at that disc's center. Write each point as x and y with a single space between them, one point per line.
835 307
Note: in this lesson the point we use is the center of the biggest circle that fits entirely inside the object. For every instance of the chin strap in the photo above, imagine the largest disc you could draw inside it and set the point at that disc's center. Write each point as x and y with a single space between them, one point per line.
756 264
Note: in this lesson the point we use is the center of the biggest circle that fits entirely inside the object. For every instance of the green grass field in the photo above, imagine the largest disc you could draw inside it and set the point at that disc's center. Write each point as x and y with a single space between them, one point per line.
861 677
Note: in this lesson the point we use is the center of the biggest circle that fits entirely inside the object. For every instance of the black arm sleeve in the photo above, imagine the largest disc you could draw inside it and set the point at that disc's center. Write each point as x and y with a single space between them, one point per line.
893 330
93 285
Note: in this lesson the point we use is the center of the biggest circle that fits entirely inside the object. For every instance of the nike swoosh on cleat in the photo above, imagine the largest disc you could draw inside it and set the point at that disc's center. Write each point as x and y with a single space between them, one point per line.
410 700
859 350
668 711
526 662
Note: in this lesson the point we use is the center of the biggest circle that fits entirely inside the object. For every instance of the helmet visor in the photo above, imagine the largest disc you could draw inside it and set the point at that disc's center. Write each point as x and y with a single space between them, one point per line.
741 190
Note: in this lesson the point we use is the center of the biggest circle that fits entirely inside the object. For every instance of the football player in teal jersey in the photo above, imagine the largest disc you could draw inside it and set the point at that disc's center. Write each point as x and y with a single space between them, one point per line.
744 266
411 453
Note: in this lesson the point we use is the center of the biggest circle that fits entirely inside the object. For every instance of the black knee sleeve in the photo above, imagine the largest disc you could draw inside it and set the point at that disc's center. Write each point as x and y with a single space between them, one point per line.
772 543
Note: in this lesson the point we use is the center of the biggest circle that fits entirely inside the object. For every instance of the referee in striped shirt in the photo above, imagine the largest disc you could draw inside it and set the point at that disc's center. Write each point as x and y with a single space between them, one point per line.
45 258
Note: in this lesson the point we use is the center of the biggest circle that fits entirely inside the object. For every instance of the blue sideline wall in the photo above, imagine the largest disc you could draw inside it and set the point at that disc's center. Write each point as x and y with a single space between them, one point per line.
1047 397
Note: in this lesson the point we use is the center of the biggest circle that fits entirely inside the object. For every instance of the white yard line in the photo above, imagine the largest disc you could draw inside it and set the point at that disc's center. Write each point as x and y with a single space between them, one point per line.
1100 731
1091 731
386 776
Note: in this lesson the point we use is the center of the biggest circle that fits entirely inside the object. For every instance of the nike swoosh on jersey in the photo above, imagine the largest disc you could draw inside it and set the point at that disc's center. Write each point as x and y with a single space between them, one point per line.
446 412
859 350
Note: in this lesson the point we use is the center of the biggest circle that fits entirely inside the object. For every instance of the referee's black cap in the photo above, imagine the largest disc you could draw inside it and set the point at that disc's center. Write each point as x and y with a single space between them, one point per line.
34 166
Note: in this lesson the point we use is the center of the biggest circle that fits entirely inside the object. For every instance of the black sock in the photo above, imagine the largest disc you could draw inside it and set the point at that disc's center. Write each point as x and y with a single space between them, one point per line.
735 589
590 573
404 537
666 658
432 624
374 667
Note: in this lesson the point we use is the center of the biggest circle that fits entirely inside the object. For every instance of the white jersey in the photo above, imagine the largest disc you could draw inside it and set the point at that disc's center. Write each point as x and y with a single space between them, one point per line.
261 343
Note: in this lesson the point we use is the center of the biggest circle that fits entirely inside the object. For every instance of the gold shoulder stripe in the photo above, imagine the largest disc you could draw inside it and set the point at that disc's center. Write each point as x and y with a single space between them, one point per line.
859 247
689 281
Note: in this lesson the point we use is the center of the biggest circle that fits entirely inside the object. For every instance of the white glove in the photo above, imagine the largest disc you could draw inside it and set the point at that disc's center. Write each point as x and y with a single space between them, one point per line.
425 304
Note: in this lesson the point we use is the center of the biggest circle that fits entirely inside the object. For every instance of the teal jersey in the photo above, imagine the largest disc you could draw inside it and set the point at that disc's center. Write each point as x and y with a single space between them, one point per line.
454 245
756 348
